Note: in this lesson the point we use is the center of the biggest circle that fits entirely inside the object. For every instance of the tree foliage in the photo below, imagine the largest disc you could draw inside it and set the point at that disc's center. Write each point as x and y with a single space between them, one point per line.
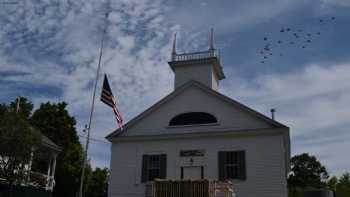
55 122
98 183
17 136
332 183
18 139
344 180
307 171
343 185
340 185
25 107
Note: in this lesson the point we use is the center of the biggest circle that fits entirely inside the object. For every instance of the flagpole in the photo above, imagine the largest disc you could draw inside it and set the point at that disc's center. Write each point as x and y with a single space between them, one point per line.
92 110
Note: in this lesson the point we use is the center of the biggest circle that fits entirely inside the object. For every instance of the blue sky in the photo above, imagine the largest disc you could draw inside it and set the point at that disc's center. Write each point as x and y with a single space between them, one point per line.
49 51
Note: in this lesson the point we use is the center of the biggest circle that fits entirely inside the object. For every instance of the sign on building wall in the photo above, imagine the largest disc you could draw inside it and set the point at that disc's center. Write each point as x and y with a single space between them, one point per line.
192 153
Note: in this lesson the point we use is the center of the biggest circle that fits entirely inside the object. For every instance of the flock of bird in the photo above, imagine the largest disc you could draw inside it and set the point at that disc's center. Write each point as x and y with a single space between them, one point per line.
299 38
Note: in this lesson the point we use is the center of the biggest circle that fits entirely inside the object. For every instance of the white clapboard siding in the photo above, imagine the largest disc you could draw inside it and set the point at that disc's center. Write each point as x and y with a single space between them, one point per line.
193 98
265 163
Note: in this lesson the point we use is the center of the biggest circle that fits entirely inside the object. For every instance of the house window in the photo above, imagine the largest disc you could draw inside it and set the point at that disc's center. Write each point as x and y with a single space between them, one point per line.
232 165
153 166
193 118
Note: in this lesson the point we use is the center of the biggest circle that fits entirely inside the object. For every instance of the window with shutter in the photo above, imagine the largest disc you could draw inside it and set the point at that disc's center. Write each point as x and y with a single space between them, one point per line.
153 166
232 165
144 176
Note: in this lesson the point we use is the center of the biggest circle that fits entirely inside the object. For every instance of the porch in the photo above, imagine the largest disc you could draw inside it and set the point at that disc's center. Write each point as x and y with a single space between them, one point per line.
42 165
189 188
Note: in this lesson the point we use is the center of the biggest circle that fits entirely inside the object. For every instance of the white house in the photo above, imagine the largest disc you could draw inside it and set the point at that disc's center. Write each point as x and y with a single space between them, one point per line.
197 133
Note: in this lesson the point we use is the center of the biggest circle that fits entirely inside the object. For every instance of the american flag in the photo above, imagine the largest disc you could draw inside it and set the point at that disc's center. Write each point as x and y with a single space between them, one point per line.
108 98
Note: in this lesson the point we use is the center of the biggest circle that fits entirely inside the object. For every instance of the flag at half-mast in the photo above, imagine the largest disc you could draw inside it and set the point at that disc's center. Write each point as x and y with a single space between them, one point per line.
108 98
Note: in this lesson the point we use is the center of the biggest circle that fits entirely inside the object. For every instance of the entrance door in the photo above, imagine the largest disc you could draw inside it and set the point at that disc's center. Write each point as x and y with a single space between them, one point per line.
192 172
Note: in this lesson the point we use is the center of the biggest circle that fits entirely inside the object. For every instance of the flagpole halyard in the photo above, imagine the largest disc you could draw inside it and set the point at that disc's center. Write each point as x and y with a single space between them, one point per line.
92 108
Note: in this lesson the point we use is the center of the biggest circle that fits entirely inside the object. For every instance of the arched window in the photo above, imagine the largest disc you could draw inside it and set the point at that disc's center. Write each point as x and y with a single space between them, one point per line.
193 118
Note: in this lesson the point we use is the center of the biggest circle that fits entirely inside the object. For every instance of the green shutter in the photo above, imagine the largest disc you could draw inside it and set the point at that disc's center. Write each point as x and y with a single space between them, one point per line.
241 165
163 166
221 163
144 176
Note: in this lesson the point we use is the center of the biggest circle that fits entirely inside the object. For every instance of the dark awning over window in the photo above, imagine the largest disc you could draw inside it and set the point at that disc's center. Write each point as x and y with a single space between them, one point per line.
193 118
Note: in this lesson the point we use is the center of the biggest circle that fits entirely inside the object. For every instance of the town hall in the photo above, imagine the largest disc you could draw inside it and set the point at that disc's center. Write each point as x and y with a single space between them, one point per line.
197 133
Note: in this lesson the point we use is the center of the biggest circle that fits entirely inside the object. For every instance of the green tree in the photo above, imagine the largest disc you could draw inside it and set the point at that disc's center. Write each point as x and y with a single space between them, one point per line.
306 172
344 180
17 139
55 122
332 183
3 109
343 186
98 183
25 107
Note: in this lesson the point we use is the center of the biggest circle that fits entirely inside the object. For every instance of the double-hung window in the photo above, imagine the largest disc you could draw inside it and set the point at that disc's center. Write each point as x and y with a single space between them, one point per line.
153 166
232 165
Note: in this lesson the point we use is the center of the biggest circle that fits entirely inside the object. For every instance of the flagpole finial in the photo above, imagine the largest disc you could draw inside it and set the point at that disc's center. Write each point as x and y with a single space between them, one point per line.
211 45
174 45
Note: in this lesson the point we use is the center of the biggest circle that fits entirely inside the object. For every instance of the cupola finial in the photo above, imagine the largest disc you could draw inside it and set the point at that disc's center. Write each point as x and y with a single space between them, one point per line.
174 46
211 39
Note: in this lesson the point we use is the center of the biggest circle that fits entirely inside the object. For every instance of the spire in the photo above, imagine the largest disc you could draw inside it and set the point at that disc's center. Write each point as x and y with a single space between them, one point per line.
211 39
174 46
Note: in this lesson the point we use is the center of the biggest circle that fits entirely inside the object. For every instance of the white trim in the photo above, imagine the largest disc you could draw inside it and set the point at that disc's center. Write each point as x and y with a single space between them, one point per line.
211 134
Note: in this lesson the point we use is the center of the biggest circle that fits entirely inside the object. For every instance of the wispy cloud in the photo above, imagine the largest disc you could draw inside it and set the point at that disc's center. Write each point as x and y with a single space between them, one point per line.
49 51
311 102
56 44
308 99
343 3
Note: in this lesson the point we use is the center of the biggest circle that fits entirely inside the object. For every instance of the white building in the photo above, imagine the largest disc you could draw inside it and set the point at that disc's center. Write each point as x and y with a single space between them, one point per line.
197 133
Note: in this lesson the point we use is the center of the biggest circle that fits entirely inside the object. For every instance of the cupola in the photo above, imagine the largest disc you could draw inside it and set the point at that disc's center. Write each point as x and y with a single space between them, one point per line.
202 66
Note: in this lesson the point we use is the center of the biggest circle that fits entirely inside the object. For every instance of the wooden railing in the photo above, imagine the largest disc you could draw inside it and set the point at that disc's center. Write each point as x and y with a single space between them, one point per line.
195 56
189 188
41 180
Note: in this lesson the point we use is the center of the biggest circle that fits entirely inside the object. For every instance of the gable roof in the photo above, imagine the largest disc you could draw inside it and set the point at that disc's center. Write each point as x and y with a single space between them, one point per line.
45 141
181 89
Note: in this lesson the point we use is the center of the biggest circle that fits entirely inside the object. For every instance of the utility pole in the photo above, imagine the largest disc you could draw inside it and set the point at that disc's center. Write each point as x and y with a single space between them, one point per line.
18 102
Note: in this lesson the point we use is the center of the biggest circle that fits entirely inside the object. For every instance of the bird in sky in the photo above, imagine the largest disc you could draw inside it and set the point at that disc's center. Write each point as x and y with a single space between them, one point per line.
290 38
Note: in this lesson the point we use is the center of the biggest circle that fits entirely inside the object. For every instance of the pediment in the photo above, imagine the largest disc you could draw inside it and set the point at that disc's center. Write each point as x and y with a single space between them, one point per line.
195 97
